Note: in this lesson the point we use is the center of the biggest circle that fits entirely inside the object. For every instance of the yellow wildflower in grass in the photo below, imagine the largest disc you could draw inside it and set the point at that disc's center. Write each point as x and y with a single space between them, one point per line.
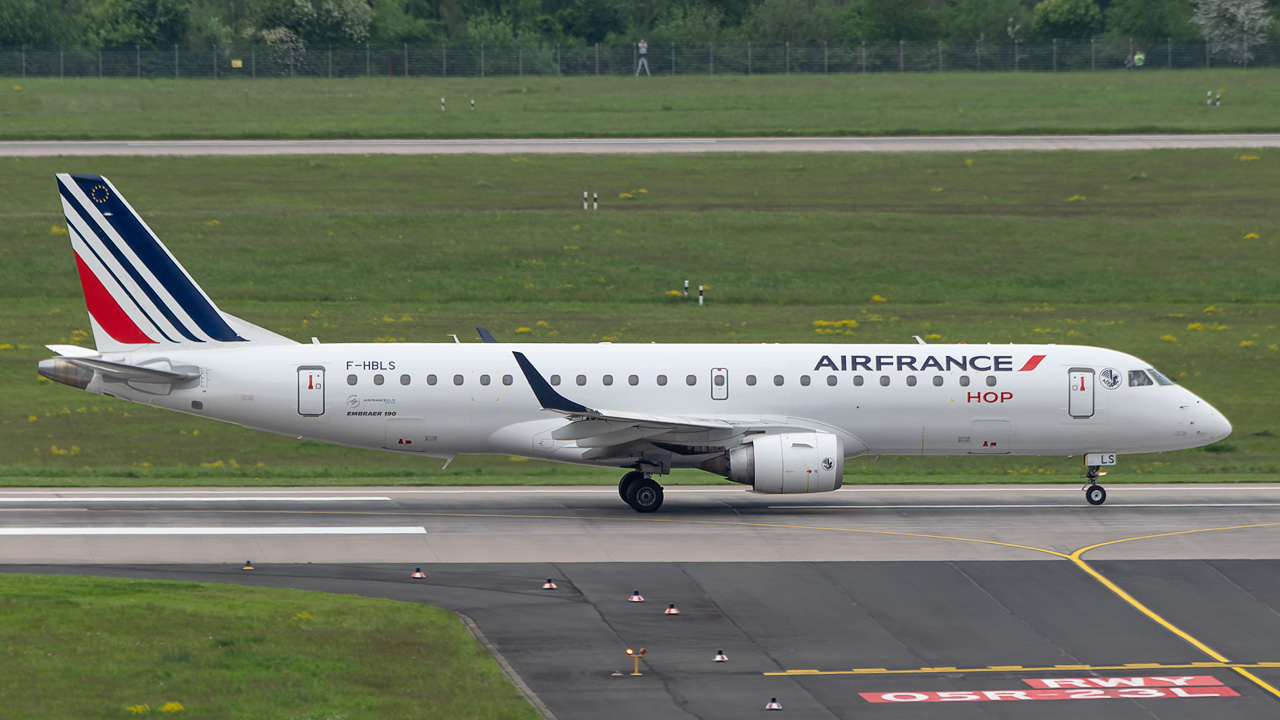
1246 343
675 293
1247 158
17 88
388 319
57 230
933 336
822 323
1195 326
543 324
577 227
968 162
215 223
523 330
6 346
625 196
31 418
878 298
935 189
1213 309
1251 236
642 191
570 247
1076 198
1169 338
1273 346
142 709
172 707
301 617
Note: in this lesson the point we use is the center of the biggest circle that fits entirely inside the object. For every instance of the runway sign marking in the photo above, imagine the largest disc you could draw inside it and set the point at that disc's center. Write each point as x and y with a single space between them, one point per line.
1025 669
186 498
1115 682
213 531
1128 693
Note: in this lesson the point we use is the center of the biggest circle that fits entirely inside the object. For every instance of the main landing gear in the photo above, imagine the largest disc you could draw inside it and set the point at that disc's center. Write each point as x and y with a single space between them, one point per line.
1093 492
640 491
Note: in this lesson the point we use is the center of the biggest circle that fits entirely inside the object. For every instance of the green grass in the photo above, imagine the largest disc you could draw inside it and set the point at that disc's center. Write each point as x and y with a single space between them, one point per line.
1150 258
228 652
855 104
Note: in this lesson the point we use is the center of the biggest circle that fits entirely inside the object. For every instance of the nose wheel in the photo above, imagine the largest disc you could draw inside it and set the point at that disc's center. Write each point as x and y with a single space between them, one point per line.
1093 492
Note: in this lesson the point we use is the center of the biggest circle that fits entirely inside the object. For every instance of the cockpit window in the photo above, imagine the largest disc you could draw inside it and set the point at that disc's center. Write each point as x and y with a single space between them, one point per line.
1159 376
1138 378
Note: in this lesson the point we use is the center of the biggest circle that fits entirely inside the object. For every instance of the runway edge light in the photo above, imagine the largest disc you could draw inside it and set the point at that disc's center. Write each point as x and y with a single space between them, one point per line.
417 574
248 565
636 597
720 657
773 705
548 585
671 610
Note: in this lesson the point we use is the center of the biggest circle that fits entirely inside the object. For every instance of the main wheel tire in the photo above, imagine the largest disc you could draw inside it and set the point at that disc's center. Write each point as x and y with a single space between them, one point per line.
645 495
1095 494
624 485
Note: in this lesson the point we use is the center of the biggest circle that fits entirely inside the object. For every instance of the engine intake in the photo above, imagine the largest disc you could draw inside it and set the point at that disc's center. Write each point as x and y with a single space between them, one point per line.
789 463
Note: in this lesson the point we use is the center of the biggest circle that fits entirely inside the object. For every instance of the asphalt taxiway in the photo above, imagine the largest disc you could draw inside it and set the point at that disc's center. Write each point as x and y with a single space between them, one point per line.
867 602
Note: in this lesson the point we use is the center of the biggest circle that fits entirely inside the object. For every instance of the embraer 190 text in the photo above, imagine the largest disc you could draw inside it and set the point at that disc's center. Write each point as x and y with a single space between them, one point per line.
778 418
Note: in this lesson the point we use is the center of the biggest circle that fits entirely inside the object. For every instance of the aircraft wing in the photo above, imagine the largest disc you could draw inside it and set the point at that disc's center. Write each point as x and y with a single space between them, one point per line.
617 433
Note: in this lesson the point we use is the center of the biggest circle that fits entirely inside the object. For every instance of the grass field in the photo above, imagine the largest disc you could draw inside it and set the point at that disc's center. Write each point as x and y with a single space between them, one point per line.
1169 255
196 650
887 103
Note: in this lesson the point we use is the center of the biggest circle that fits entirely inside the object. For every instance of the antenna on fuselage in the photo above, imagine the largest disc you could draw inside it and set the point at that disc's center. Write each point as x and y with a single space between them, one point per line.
919 339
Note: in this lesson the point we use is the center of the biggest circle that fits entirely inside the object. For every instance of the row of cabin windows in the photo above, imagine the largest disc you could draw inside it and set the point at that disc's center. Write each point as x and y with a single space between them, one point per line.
690 380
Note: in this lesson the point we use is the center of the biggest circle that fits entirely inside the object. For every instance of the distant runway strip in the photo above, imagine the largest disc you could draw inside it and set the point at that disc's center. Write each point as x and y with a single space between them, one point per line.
625 146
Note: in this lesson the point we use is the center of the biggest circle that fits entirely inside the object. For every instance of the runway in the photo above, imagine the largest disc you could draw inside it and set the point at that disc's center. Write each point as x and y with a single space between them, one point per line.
623 146
868 602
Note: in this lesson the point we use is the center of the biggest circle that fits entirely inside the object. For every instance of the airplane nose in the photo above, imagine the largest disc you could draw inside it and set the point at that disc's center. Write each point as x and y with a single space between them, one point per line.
1212 425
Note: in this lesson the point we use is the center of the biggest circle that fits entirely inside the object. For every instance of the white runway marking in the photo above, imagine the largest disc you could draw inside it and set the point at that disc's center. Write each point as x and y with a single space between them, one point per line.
215 531
187 498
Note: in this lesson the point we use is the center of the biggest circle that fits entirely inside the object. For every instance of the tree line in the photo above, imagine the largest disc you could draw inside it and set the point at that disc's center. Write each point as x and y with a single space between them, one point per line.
318 23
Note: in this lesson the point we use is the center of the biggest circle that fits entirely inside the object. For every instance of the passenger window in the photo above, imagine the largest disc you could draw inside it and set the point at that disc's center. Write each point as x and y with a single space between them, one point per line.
884 381
911 381
1137 378
607 380
804 380
431 379
831 380
778 380
751 381
937 381
633 380
377 379
964 381
351 379
857 381
662 381
555 379
719 381
457 379
991 381
404 379
690 380
507 379
484 379
581 380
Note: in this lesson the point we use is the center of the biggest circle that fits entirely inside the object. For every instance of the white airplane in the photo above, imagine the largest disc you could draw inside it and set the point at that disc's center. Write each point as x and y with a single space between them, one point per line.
779 418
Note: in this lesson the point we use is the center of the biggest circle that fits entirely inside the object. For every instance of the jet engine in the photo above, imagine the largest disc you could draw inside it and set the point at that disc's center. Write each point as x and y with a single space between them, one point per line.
788 463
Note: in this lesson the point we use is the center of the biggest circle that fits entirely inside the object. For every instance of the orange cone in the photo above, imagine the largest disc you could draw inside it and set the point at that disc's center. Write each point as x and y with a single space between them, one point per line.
636 597
247 565
417 574
671 610
720 657
548 585
773 705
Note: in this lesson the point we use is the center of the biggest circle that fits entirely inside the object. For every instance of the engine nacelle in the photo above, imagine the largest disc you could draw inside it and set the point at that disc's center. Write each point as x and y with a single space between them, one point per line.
789 463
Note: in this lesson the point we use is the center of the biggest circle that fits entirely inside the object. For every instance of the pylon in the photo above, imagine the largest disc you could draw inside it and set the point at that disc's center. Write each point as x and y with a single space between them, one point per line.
671 610
773 705
247 565
720 657
548 585
417 574
636 597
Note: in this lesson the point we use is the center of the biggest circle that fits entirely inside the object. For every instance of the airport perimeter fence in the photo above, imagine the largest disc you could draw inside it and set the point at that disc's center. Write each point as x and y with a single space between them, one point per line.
478 60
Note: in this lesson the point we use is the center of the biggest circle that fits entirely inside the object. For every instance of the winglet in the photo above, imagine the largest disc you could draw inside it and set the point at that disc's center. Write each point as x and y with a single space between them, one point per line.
547 395
486 336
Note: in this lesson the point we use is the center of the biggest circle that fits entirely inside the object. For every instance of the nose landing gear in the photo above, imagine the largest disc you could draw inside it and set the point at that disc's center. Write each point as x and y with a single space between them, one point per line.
1093 492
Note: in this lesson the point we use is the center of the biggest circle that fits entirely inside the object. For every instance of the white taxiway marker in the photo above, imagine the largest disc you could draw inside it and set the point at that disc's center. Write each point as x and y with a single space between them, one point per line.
213 531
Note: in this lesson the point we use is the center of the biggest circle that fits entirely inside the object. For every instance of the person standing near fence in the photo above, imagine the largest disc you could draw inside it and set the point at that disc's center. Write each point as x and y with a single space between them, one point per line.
643 49
1139 58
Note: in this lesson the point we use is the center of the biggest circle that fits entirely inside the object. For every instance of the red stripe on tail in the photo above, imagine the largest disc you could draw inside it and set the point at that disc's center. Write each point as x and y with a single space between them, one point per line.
1032 363
106 310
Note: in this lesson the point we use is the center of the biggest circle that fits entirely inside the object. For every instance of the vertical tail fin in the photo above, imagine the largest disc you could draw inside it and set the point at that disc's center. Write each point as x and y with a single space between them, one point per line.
137 293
